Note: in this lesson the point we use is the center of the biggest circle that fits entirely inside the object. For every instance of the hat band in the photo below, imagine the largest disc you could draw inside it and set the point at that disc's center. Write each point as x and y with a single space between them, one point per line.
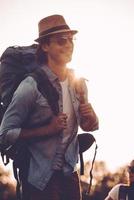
57 28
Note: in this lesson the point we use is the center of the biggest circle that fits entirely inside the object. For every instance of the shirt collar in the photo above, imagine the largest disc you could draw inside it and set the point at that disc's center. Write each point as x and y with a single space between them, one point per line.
52 77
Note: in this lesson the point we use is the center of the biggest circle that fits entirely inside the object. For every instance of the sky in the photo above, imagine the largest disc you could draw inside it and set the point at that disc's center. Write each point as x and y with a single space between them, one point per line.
103 54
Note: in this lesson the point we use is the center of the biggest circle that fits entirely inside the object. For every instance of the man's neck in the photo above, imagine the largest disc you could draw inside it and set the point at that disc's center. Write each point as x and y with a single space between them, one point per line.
59 70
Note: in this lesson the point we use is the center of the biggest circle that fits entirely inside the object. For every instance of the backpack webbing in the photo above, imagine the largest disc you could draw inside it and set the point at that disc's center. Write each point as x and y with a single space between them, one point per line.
49 91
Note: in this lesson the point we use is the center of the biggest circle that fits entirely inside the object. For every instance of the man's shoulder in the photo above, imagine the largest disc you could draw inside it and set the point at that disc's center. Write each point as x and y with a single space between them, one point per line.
114 192
117 186
28 86
74 73
120 184
74 77
29 80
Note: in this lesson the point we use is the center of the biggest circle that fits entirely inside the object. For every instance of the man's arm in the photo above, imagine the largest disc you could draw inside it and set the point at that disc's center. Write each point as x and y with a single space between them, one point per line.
18 111
57 124
89 120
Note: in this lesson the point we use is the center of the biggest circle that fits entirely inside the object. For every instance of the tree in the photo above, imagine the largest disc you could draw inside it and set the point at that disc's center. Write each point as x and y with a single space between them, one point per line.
103 180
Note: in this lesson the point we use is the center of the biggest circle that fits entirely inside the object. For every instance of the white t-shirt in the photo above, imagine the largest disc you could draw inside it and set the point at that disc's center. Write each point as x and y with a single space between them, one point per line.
114 192
67 108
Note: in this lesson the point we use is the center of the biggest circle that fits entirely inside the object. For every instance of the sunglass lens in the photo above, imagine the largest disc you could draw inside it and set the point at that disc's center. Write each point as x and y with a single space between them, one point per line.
61 41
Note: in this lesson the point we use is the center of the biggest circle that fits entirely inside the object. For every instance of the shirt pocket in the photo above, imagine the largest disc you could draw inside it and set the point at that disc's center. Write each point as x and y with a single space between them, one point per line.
41 112
44 107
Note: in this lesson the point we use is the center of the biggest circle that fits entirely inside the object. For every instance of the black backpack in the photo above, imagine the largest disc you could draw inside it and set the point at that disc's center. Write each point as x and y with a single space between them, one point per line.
15 63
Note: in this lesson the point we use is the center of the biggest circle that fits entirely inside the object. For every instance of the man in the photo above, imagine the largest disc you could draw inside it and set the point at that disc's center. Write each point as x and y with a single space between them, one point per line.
123 191
53 145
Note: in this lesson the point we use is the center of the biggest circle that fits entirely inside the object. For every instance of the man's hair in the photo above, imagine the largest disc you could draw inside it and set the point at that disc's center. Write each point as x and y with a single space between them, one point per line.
41 56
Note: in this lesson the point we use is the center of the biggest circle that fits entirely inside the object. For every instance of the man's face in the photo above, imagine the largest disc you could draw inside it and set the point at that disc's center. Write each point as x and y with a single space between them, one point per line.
60 48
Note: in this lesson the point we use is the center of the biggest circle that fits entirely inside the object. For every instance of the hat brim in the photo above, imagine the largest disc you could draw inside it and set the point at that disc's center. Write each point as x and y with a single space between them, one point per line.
55 32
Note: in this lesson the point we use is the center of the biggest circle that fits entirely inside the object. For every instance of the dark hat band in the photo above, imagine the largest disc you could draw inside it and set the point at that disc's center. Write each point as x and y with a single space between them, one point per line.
57 28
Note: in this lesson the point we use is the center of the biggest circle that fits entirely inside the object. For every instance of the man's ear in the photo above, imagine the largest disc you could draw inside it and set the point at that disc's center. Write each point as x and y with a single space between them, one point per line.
44 47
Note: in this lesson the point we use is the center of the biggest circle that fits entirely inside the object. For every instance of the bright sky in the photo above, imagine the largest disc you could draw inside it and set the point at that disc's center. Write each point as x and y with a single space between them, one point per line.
104 54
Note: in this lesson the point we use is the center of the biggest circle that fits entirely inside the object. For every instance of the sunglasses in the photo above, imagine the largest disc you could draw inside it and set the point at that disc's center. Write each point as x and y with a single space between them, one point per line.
62 40
131 169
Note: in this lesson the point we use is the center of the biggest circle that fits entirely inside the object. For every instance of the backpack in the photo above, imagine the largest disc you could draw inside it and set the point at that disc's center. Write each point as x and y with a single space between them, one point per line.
16 63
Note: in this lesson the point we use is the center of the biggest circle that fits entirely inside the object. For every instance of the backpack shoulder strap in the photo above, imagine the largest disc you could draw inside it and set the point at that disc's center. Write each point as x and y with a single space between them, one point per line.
47 89
123 190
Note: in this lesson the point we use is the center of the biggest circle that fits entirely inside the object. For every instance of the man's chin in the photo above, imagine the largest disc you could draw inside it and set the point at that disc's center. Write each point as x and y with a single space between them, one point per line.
66 59
69 59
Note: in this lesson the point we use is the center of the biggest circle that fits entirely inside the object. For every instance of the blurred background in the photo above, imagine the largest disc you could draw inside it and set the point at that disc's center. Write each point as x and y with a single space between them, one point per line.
103 54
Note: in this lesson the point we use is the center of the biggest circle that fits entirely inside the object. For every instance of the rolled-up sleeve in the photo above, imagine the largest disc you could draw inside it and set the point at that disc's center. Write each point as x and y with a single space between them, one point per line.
12 135
18 111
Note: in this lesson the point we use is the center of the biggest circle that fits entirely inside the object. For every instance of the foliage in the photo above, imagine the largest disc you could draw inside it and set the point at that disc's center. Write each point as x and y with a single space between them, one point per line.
103 181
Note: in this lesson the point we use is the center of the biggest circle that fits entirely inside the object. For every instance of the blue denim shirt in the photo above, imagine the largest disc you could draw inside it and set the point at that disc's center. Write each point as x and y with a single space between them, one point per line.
29 105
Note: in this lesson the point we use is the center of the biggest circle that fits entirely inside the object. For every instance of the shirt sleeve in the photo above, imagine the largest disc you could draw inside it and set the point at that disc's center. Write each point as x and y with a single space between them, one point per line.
114 192
18 111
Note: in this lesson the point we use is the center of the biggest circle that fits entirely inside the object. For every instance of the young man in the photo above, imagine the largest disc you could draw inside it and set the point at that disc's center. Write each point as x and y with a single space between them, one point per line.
53 145
123 191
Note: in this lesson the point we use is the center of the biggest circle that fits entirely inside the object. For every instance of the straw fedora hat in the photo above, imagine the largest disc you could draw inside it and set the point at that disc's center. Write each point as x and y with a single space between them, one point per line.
51 25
